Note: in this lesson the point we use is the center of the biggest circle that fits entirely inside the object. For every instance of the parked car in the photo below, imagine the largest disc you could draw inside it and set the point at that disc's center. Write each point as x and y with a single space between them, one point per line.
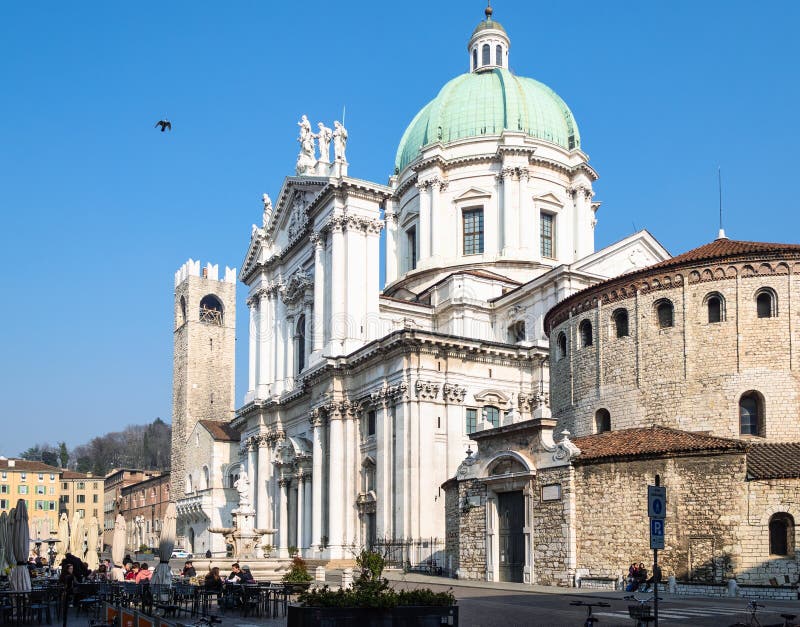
180 554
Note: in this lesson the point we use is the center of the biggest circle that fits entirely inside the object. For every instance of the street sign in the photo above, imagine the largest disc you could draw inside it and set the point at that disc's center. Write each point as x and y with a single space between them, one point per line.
656 501
656 533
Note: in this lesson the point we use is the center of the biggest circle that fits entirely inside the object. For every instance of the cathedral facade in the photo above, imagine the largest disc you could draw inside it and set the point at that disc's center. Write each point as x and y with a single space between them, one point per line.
361 401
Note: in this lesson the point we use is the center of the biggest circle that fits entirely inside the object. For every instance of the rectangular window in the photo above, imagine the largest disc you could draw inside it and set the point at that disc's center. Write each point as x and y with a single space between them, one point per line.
65 486
473 232
411 243
94 486
52 490
81 485
41 477
52 506
94 513
547 234
40 505
82 513
40 489
371 422
3 503
23 476
65 498
4 475
94 498
52 477
3 489
23 489
80 498
472 420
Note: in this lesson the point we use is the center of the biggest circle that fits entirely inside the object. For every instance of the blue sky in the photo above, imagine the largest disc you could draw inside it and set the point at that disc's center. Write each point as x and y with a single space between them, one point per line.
99 209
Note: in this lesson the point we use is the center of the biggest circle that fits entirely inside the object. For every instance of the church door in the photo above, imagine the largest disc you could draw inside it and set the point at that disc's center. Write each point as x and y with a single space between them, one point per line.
511 512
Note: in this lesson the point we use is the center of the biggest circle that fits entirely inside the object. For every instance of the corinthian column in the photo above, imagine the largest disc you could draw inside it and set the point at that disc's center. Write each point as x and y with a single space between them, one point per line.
335 483
319 292
263 505
252 304
424 221
300 512
283 524
316 477
338 284
264 344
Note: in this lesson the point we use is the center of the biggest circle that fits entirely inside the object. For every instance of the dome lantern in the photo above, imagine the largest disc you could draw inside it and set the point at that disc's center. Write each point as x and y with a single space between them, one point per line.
489 44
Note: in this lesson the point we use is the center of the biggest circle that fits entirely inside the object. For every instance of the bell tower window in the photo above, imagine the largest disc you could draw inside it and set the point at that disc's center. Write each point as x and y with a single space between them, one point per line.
211 310
498 55
474 59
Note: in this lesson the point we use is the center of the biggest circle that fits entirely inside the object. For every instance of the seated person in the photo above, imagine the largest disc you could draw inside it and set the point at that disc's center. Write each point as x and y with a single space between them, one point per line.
212 580
246 575
188 570
655 578
236 574
144 573
641 574
133 570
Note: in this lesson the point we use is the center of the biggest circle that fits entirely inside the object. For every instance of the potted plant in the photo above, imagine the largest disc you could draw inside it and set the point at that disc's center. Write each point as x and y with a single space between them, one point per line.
371 602
298 577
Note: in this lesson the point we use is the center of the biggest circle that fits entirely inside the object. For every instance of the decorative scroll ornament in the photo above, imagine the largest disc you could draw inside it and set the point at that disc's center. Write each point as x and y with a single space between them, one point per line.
565 450
427 390
296 286
453 393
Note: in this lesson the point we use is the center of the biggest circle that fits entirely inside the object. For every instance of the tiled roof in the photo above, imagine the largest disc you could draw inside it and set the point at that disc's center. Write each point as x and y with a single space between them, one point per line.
727 249
774 460
27 466
650 441
221 430
71 474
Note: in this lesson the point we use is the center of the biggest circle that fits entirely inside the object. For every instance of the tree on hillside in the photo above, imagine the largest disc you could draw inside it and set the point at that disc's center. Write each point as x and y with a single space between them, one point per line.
63 454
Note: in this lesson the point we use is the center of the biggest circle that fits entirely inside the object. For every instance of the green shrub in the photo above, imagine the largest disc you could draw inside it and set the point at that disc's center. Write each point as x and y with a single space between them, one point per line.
298 573
372 590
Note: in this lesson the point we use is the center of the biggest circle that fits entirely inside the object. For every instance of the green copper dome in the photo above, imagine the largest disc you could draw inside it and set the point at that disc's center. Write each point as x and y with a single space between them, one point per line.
487 103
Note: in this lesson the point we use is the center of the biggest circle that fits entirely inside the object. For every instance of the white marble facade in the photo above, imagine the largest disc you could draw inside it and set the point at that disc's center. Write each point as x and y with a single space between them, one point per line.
360 400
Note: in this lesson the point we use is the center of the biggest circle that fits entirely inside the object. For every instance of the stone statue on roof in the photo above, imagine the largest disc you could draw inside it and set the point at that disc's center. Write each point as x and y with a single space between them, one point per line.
339 141
267 210
324 139
305 160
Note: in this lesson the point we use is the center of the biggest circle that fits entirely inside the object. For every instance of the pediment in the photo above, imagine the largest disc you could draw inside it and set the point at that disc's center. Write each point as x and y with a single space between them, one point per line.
549 198
473 193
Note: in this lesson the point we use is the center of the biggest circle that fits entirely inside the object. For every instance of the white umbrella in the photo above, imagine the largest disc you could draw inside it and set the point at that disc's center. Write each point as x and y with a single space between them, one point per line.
76 536
20 539
9 548
92 538
63 535
4 540
118 543
163 574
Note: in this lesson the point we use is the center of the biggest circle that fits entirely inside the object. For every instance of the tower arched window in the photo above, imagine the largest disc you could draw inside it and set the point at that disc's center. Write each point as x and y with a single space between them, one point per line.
665 313
492 415
486 54
498 55
751 414
620 317
781 534
300 335
206 479
602 421
766 303
561 346
211 310
182 311
189 486
474 59
585 329
715 305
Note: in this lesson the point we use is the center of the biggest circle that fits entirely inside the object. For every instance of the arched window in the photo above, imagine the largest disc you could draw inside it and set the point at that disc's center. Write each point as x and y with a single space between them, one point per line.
300 336
189 484
474 59
715 304
206 479
766 303
781 534
183 311
486 54
602 421
211 310
585 329
516 332
620 317
492 415
665 314
561 346
498 55
751 414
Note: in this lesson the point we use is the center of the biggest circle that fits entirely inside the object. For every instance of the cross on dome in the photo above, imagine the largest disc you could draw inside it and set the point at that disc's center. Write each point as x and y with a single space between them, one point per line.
489 44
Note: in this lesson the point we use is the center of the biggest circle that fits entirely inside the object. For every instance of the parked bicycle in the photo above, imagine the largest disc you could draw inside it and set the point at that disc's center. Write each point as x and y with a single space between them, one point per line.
591 620
752 620
642 612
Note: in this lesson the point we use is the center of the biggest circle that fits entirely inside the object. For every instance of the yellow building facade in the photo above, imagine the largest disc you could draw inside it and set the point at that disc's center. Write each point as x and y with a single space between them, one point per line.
82 493
39 485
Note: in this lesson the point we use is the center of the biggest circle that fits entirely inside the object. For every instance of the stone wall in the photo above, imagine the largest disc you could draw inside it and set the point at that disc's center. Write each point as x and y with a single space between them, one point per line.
552 528
689 376
472 531
705 505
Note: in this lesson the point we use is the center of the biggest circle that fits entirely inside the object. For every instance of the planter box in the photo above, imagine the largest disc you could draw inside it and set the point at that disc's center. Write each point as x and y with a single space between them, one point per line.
405 616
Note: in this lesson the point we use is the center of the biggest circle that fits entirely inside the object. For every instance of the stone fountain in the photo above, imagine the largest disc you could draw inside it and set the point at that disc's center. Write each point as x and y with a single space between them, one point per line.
243 536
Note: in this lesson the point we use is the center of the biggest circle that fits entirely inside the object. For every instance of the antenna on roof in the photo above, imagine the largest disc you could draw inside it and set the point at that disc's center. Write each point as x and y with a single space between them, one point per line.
344 113
721 234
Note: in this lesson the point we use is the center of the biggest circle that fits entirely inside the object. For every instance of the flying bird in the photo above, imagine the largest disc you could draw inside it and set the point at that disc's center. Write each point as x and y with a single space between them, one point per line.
165 125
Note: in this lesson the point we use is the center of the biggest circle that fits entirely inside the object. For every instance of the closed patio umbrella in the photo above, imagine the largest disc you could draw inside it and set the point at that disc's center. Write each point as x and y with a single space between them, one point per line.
163 574
76 537
20 539
9 548
118 544
62 546
92 540
4 540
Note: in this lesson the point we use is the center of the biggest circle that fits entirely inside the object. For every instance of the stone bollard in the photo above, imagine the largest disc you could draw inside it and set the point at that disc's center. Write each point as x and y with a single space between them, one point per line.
347 578
319 574
732 588
672 586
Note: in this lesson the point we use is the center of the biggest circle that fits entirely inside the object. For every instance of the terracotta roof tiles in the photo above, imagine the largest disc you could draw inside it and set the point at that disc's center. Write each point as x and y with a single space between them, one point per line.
650 441
221 430
780 460
27 466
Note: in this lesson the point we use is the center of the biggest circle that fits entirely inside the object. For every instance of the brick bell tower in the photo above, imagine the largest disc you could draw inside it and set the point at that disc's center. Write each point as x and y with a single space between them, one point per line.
203 378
